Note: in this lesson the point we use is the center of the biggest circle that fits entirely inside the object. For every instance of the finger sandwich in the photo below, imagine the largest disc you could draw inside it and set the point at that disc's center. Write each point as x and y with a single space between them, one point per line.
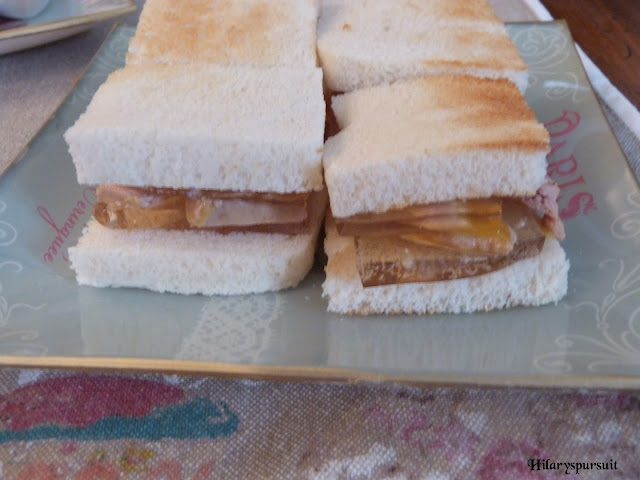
206 152
439 200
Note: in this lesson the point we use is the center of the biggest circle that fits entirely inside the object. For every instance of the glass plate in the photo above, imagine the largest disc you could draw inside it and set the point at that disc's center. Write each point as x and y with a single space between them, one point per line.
591 339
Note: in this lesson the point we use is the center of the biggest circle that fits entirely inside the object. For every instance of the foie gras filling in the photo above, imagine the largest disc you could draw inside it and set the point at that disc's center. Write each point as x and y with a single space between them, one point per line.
129 207
443 241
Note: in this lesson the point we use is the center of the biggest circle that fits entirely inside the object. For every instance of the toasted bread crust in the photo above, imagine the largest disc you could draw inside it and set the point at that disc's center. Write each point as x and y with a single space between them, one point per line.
228 32
365 43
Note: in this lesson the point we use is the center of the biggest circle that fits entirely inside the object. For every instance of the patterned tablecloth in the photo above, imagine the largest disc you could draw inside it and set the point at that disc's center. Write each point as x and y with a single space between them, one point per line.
71 425
59 425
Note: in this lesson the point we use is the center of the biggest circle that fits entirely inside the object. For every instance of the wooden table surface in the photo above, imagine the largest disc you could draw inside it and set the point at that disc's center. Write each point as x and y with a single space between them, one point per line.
609 32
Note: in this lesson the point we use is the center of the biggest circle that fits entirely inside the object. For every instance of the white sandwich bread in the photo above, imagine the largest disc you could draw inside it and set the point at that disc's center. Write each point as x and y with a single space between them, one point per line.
440 201
203 126
210 178
362 43
432 139
259 33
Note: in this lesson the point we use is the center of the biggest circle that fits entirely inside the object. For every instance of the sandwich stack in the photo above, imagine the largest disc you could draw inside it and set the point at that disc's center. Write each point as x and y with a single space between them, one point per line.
207 151
439 199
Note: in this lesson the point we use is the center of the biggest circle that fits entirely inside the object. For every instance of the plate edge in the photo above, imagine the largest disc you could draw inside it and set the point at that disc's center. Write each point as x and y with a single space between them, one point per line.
68 22
319 374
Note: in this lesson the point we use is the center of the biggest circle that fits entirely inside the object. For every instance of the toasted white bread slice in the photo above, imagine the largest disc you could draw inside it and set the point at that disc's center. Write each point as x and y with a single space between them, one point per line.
260 33
203 126
432 139
369 42
192 261
534 281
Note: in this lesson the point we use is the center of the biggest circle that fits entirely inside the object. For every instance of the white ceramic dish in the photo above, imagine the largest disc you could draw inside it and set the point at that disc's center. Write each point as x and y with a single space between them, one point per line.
60 19
590 339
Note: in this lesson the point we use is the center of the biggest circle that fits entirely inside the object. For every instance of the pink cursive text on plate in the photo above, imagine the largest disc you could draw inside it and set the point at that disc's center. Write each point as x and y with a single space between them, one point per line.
63 231
573 199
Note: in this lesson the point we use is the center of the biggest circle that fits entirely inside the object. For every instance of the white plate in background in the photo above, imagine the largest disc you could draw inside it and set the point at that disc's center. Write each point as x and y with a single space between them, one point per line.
60 19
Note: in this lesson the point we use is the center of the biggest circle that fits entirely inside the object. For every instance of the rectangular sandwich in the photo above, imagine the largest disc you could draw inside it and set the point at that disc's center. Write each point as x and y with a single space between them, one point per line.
362 43
259 33
439 200
209 178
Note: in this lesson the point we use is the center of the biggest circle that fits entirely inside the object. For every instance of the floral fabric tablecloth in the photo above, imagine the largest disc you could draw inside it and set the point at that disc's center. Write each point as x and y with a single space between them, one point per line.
66 425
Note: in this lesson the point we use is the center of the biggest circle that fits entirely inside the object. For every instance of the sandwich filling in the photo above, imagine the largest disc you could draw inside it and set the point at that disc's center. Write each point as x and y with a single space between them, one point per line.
129 207
449 240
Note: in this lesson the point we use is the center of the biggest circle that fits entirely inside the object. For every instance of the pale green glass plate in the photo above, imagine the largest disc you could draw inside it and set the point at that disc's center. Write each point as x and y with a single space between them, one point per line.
590 339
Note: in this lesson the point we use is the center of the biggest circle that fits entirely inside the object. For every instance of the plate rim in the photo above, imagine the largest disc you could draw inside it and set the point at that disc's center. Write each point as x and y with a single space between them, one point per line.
330 374
67 22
